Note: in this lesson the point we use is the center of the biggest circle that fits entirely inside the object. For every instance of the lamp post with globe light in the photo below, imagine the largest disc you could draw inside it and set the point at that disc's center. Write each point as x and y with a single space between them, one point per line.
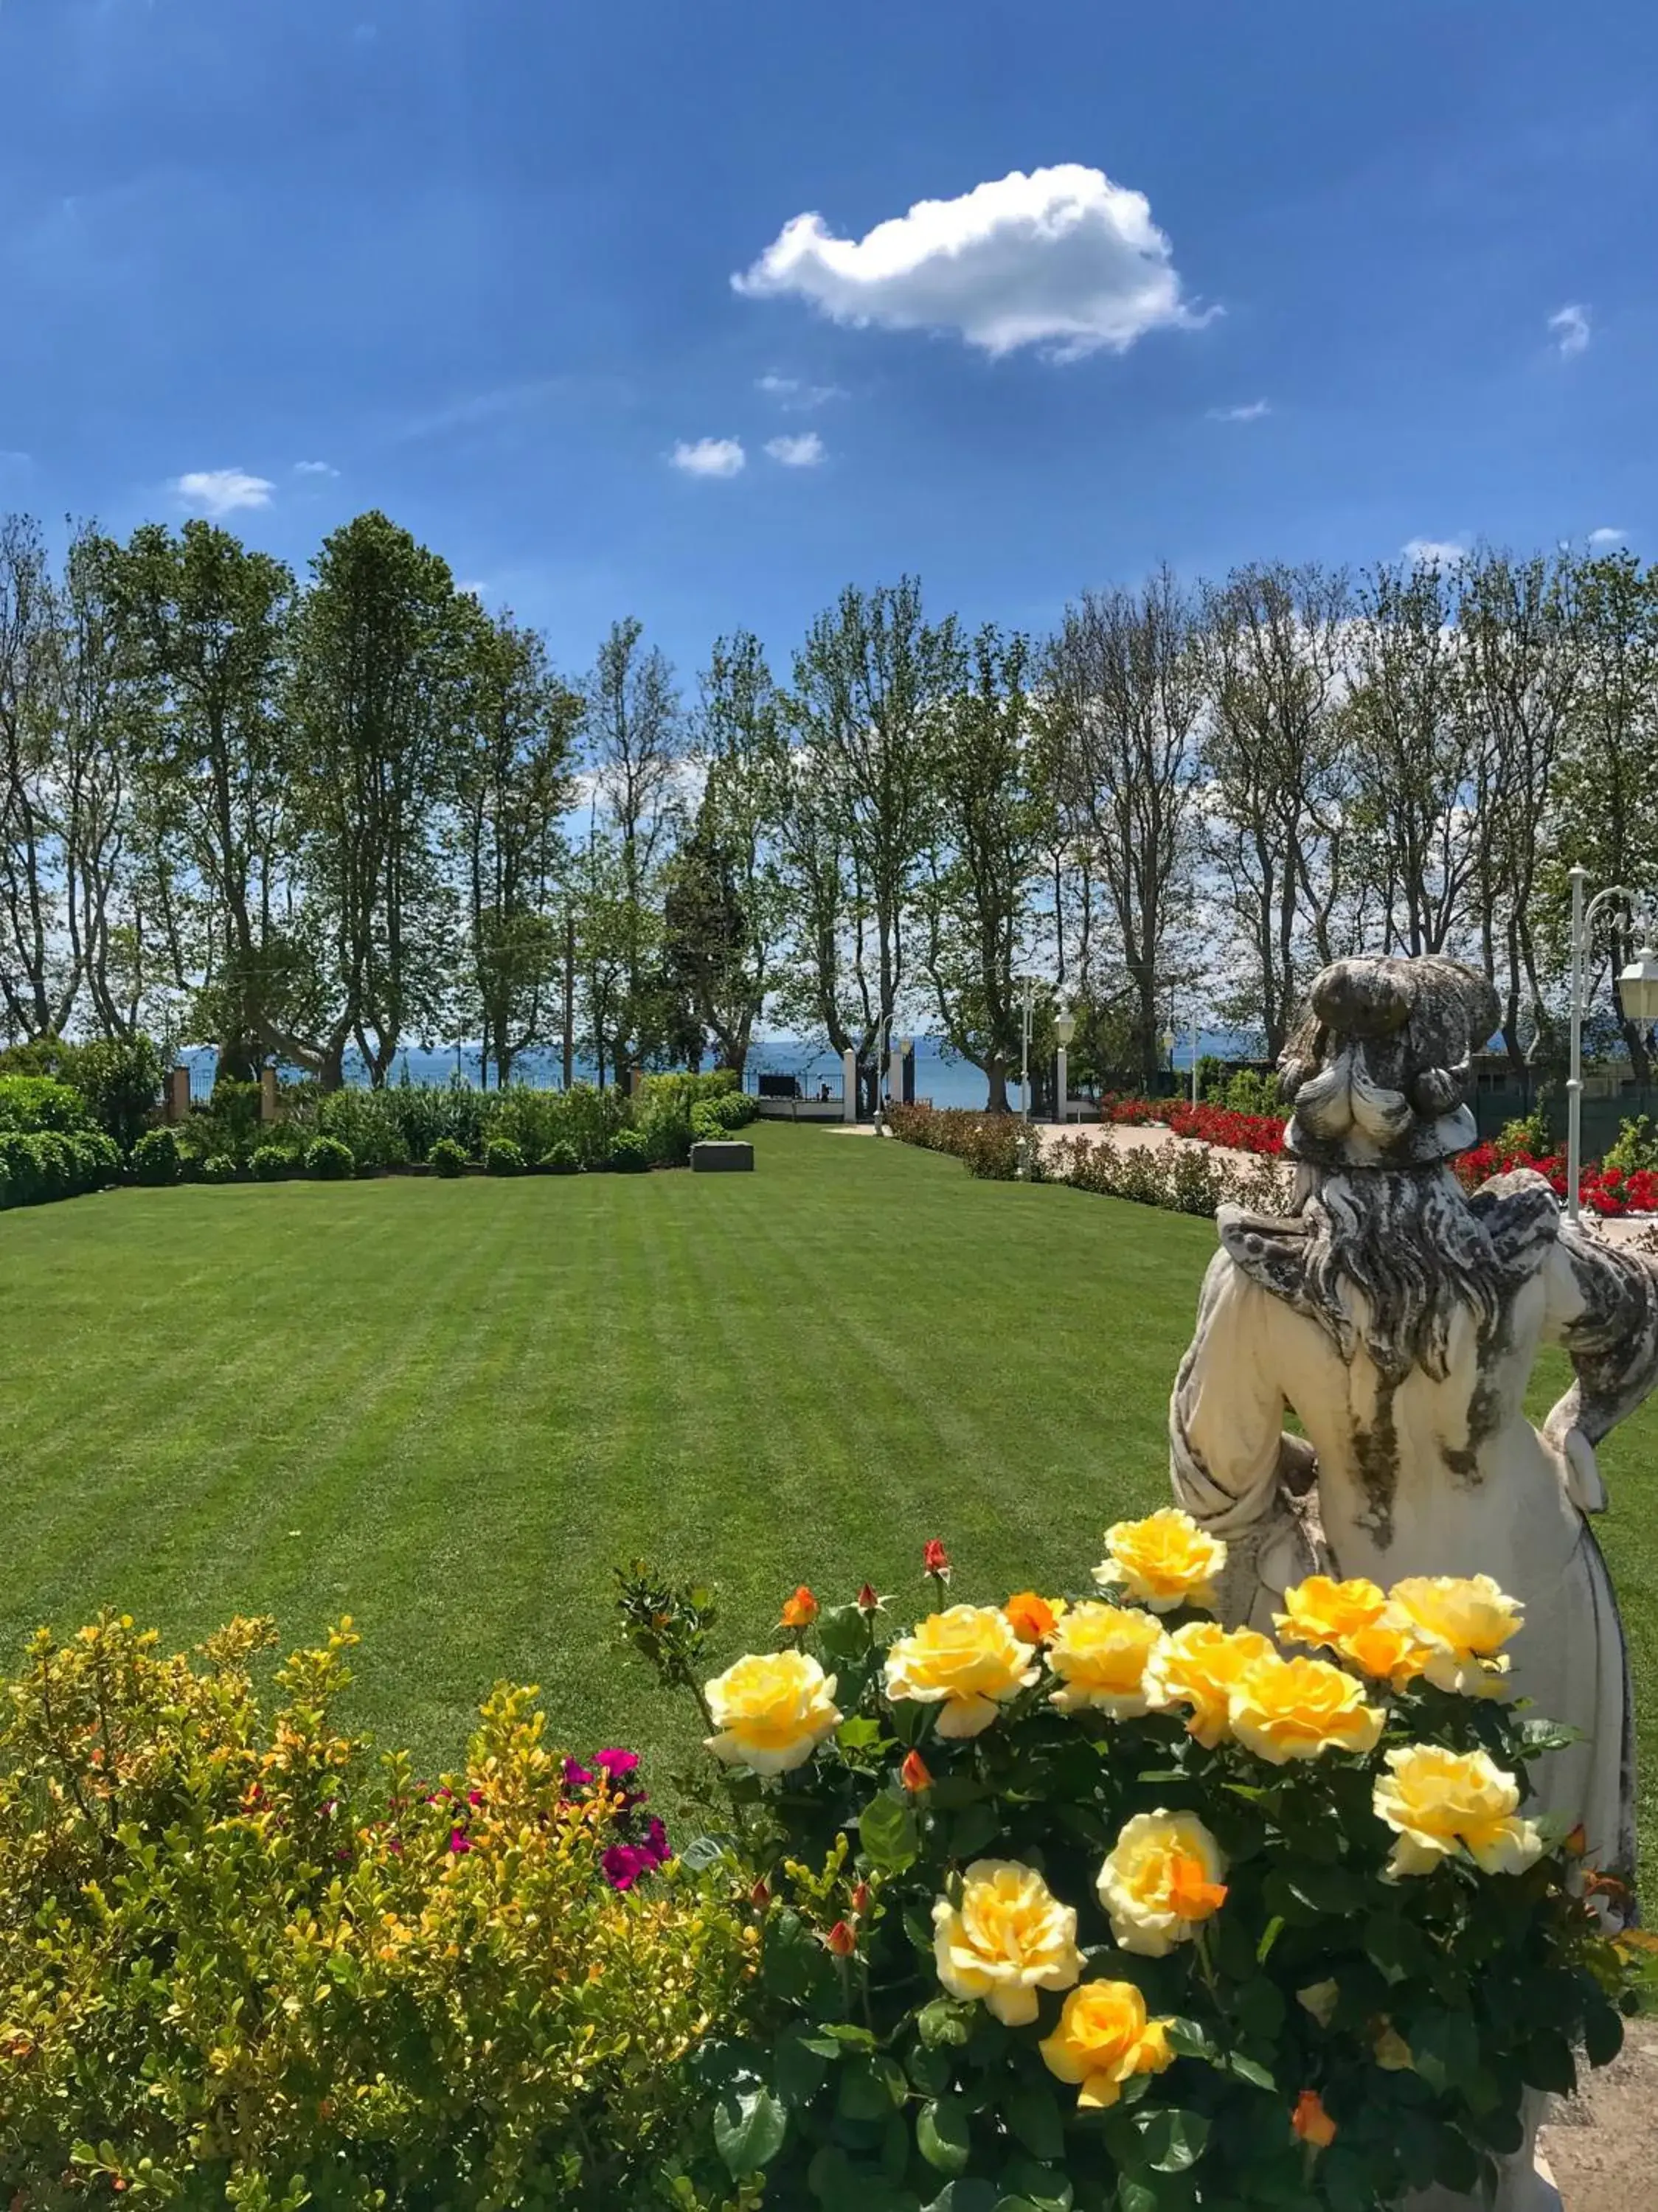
1064 1029
1637 995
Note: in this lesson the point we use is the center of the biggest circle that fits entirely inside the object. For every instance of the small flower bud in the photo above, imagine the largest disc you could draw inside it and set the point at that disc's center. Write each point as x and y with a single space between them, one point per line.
841 1939
915 1773
935 1559
759 1897
861 1898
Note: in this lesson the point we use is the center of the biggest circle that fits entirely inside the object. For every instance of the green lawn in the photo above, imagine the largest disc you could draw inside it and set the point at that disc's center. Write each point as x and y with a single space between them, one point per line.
448 1408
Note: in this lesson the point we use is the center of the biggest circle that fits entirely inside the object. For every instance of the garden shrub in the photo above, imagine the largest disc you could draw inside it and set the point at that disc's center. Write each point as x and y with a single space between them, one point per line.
30 1104
218 1167
367 1122
1635 1151
1074 1902
155 1157
329 1159
503 1157
271 1162
561 1159
706 1126
119 1078
447 1157
46 1164
244 1961
628 1153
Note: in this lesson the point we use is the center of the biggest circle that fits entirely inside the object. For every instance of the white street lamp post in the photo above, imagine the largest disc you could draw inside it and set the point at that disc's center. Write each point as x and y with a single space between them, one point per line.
1194 1055
1027 1004
1064 1029
1637 993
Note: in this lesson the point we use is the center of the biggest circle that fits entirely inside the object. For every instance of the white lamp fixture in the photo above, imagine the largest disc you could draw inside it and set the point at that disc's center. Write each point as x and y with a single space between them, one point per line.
1065 1027
1637 987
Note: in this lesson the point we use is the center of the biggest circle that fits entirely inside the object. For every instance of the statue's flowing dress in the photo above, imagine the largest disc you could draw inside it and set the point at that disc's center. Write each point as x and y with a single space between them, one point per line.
1426 1475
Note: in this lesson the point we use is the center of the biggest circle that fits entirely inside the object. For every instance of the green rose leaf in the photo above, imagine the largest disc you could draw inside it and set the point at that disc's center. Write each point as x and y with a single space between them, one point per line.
1035 2187
1546 2062
1603 2034
974 2196
1032 2114
749 2128
971 1831
861 1733
944 2023
1171 2140
943 2136
843 1633
797 2071
886 1826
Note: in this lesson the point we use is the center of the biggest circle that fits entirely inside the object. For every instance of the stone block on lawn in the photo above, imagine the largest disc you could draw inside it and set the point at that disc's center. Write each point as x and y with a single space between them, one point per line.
721 1157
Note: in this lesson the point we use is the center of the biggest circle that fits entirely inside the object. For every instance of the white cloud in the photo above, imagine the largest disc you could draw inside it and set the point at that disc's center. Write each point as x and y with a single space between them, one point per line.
710 457
1605 537
795 394
803 453
1063 257
1570 326
1252 412
219 492
315 469
1440 552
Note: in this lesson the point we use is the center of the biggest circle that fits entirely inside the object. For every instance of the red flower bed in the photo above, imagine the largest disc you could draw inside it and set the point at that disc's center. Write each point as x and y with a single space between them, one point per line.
1609 1191
1262 1133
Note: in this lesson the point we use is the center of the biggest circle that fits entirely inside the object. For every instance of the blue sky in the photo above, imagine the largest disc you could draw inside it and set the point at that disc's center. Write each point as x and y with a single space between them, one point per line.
473 260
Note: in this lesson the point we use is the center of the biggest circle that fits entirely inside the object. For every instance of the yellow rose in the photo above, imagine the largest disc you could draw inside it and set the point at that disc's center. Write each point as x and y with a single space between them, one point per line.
1197 1666
1465 1621
772 1711
1285 1709
1100 1654
1008 1938
1165 1560
1321 1611
1388 1651
1165 1876
968 1660
1435 1800
1104 2040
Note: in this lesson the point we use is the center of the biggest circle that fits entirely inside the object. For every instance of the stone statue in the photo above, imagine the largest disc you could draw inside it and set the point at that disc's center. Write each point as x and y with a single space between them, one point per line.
1398 1318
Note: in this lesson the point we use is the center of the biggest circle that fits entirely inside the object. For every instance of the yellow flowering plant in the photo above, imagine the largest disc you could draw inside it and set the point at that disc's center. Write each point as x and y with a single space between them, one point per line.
1081 1901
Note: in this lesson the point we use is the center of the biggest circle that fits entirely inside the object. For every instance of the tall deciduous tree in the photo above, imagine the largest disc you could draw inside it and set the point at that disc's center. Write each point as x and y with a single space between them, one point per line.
515 789
1124 692
39 980
378 703
1277 811
990 824
635 739
871 674
210 626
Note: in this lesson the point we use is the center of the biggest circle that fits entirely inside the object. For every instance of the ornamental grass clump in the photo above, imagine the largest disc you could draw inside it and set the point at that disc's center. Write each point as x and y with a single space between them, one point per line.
245 1962
1082 1899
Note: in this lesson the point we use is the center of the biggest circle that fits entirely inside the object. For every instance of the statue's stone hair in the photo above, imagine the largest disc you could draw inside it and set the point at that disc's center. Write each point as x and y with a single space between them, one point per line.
1412 1247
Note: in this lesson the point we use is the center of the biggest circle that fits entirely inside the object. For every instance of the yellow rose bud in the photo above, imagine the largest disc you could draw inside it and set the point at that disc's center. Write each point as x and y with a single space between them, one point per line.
772 1711
1436 1801
1465 1621
1008 1937
1103 2040
1319 1611
1165 1876
1165 1560
1285 1709
1197 1667
1100 1654
967 1659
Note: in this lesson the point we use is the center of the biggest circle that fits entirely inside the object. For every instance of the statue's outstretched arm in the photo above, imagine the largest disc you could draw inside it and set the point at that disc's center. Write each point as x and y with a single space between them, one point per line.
1603 1308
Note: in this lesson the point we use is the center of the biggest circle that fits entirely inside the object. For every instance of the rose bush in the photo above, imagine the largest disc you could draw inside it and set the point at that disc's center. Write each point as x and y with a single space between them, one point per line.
1087 1904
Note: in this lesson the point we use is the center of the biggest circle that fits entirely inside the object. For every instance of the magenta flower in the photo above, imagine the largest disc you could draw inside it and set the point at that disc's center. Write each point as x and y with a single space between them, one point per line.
616 1763
656 1843
577 1777
623 1864
460 1840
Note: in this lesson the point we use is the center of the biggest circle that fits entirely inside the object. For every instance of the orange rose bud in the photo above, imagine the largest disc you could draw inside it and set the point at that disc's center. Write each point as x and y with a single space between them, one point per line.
801 1610
861 1898
759 1897
935 1559
1577 1843
915 1773
868 1601
841 1939
1311 2122
1032 1619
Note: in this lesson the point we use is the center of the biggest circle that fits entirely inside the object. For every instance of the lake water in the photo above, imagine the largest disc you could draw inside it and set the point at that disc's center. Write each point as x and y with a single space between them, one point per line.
945 1080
